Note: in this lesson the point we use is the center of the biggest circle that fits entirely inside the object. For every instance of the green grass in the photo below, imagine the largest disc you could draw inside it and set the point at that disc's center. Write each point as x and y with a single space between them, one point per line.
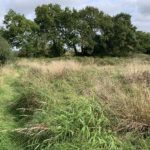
89 104
7 123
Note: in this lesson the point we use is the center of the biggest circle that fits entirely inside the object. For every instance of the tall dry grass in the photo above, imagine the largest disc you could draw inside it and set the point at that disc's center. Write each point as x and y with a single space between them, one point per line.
123 89
53 68
125 92
71 102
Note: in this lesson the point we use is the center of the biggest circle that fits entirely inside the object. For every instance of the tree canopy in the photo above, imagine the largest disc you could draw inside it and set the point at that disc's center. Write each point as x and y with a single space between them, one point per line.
88 31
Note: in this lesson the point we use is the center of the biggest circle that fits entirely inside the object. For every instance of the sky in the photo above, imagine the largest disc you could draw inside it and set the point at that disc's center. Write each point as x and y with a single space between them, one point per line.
139 9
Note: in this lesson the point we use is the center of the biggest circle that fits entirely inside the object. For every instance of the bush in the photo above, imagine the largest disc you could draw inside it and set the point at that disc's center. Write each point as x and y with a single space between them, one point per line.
5 51
57 50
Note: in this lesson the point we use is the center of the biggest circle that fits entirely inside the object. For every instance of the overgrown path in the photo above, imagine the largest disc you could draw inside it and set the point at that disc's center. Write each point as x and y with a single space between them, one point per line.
8 94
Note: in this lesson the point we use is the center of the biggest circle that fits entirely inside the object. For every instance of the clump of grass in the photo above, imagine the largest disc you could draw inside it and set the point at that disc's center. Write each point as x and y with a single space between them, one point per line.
67 119
139 77
55 67
126 97
76 122
26 105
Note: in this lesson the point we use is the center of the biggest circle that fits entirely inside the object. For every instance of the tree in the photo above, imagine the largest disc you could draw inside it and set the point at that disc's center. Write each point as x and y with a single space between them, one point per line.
68 30
48 19
102 39
122 38
143 42
18 29
88 31
5 52
89 26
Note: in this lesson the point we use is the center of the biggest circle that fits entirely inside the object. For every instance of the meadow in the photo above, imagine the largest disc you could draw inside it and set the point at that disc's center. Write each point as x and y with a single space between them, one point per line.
75 103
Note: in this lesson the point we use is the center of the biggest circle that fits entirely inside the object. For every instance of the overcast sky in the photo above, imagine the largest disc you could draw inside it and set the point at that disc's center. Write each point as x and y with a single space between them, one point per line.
139 9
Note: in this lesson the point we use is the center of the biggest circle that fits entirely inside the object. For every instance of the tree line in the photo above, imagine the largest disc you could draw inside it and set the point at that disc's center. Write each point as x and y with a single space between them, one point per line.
87 32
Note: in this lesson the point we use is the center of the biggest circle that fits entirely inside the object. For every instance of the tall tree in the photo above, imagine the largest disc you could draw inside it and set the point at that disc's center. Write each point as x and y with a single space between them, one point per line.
88 31
123 35
143 42
19 30
89 26
48 19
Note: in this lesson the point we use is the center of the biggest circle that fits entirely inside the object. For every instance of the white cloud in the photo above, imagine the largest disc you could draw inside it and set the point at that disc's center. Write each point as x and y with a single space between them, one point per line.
144 7
27 6
142 17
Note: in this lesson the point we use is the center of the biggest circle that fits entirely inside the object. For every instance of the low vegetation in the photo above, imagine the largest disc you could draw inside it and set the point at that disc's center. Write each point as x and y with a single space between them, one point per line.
78 104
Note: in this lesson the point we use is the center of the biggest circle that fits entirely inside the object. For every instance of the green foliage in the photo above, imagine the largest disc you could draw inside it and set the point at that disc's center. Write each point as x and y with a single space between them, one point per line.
144 42
18 28
122 36
88 24
88 31
5 52
19 32
68 121
48 17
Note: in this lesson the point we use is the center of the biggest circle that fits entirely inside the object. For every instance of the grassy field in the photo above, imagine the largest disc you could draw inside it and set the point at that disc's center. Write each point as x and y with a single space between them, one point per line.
75 103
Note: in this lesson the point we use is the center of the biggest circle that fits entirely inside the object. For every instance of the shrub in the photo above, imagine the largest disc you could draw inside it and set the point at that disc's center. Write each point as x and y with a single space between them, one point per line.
5 51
